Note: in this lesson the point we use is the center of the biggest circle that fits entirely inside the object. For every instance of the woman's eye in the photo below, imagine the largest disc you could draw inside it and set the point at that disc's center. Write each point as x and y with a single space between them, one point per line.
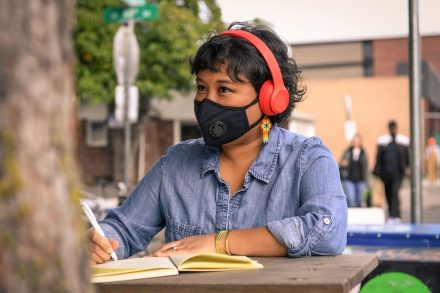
223 90
201 88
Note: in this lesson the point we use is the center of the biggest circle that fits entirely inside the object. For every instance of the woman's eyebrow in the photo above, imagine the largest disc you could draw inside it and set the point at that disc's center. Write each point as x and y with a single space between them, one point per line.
217 81
225 81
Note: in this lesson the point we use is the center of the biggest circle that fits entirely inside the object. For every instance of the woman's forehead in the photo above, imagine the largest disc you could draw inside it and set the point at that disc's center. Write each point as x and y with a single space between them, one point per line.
223 69
221 75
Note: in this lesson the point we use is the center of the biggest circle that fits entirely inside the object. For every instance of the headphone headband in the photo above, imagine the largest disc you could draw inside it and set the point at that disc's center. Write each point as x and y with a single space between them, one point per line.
264 50
273 95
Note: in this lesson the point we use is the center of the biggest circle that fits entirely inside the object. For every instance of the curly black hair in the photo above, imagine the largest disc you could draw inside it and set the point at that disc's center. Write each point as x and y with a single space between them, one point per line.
242 59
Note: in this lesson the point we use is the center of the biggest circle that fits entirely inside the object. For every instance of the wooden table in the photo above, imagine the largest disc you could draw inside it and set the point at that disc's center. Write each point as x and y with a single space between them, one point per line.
309 274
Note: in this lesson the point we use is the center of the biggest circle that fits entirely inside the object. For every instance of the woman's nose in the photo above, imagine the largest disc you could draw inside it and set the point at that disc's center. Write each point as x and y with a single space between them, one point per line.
210 95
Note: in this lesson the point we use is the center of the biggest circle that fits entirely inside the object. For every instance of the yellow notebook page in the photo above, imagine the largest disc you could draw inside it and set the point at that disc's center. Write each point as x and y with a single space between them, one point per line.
214 262
133 265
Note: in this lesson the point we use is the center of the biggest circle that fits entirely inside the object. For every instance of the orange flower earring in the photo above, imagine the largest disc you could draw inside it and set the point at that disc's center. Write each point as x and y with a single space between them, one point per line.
266 125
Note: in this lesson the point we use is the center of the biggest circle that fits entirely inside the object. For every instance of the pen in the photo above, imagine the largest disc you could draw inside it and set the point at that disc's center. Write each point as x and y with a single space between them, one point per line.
95 224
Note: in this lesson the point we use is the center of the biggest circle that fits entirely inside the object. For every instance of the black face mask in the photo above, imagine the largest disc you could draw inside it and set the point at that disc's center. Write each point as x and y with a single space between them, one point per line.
222 124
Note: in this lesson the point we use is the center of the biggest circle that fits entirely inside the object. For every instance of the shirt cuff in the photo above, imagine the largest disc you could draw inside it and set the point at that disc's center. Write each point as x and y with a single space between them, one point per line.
290 233
111 233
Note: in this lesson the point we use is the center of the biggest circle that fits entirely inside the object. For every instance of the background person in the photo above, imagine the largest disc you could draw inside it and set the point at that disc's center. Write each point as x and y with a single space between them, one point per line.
432 160
248 187
392 162
353 167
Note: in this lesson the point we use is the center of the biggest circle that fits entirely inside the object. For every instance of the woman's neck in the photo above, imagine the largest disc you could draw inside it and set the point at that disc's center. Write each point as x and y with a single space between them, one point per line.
237 157
245 149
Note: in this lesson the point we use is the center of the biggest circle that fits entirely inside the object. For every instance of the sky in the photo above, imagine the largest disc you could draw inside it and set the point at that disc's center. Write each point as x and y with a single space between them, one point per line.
321 21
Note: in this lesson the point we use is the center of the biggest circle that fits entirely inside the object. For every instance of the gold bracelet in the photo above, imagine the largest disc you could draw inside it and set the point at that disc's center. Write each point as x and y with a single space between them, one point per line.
218 239
227 243
219 236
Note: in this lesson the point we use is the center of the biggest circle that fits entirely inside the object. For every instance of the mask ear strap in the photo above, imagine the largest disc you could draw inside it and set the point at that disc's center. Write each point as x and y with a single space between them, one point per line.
252 103
257 122
262 115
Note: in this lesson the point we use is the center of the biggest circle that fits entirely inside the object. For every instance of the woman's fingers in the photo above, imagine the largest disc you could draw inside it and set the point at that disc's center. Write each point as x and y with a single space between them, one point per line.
100 240
96 258
100 247
170 252
167 249
114 244
94 248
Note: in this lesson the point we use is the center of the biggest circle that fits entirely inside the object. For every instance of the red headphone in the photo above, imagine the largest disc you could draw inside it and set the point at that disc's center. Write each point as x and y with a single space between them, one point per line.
273 97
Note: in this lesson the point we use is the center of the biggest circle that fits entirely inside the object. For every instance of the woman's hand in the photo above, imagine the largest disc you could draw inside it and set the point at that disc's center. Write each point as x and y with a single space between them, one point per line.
189 245
100 248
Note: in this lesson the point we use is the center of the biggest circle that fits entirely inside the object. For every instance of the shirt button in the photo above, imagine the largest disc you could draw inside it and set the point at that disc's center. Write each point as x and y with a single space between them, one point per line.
327 221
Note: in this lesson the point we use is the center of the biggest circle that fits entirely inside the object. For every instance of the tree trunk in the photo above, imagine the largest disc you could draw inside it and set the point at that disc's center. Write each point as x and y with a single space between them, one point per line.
42 236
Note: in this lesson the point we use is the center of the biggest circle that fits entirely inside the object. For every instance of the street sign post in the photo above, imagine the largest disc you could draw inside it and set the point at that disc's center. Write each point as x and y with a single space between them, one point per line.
123 14
133 103
126 54
126 61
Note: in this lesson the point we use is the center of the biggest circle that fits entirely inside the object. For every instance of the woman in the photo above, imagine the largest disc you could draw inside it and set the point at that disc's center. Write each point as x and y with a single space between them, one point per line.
432 159
354 172
248 187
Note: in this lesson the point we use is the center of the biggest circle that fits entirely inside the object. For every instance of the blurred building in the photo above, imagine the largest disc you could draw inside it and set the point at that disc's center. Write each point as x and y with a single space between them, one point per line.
373 74
345 49
355 49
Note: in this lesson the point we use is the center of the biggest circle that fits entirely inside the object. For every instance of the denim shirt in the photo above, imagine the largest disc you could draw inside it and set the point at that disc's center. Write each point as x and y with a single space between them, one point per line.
293 188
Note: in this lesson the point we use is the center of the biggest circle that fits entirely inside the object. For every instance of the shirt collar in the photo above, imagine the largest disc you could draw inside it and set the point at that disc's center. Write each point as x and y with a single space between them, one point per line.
210 160
262 168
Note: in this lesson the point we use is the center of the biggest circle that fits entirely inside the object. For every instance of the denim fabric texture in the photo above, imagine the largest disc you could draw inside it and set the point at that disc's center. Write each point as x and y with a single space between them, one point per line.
292 187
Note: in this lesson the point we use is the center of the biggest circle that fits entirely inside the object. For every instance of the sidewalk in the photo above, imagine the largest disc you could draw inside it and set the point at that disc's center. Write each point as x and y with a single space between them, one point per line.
430 201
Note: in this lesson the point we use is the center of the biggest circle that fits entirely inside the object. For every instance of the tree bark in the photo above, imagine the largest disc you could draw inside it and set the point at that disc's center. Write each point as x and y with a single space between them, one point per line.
43 245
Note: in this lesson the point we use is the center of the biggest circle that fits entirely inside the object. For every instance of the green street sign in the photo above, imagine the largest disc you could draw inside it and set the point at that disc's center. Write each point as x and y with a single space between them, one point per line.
120 14
135 2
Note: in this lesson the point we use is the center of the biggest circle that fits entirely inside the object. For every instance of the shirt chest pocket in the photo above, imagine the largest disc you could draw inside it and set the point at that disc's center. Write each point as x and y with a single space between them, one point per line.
176 230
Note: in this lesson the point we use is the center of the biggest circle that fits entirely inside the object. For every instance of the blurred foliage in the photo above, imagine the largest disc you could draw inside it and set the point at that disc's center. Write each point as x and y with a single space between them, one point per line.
166 45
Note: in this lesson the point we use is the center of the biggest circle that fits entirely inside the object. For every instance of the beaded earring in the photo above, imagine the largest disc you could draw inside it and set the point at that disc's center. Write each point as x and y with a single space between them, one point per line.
266 125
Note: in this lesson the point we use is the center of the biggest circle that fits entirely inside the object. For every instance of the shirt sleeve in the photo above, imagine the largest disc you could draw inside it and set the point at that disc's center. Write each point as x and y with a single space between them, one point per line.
140 218
321 225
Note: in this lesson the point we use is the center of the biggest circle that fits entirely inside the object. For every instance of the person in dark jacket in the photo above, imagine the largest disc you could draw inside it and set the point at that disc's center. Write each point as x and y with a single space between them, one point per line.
392 162
354 172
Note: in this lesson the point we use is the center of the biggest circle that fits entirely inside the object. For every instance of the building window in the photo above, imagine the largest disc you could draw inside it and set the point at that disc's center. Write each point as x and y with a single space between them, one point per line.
96 133
368 58
333 60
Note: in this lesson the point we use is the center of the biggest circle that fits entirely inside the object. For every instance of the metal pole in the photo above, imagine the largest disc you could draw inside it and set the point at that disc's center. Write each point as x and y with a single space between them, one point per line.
127 136
127 127
415 116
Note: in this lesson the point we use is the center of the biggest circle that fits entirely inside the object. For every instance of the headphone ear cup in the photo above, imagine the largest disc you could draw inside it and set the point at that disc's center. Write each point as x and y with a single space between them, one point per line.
266 91
279 101
273 103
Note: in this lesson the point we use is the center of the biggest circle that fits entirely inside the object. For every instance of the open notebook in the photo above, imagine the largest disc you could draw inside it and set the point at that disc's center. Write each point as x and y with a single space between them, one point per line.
150 267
